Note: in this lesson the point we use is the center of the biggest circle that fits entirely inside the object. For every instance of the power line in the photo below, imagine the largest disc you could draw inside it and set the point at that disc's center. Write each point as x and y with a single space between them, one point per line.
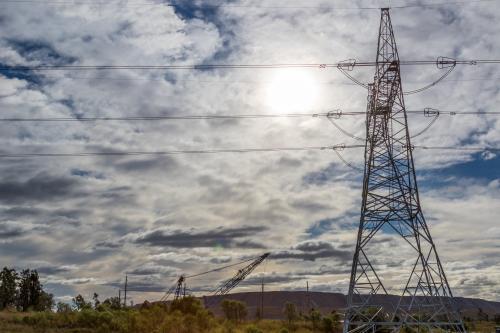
329 114
140 4
340 113
344 64
107 78
172 117
173 67
220 151
220 268
174 152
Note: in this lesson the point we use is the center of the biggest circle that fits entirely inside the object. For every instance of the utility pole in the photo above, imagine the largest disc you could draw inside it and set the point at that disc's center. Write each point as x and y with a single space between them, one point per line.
391 208
262 300
308 297
119 297
125 296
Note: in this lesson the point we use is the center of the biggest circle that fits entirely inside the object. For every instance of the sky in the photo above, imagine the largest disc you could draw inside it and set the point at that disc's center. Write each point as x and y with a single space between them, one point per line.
85 222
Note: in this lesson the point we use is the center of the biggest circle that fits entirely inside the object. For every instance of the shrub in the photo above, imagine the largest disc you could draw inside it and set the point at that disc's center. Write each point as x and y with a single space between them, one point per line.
331 323
234 310
315 318
290 312
252 329
186 305
63 307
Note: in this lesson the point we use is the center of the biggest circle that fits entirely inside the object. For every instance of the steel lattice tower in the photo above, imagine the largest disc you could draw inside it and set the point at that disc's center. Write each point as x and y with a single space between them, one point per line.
417 296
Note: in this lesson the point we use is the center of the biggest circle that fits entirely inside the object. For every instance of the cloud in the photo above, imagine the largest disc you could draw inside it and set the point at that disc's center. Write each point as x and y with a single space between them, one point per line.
272 278
189 238
164 164
54 269
10 229
42 187
109 215
313 250
152 269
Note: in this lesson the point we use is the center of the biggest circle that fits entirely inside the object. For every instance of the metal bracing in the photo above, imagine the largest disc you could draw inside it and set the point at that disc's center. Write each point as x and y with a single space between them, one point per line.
180 288
418 295
230 284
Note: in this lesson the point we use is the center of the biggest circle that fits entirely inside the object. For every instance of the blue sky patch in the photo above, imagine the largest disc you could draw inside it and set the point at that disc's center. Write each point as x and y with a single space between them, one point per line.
13 72
191 10
347 221
40 52
480 169
329 174
209 13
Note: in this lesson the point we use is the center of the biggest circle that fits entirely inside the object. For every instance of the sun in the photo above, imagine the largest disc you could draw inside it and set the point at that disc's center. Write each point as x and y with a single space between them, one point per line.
291 91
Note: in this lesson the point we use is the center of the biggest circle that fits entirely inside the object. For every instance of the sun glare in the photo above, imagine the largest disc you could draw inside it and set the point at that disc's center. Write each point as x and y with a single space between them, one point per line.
291 91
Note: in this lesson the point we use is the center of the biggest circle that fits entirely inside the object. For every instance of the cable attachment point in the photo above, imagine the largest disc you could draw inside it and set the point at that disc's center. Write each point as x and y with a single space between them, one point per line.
430 112
335 114
445 62
441 62
339 147
406 147
347 65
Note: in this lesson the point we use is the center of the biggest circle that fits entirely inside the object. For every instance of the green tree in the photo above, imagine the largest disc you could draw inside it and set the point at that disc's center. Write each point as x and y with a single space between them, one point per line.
95 298
234 310
186 305
331 323
80 304
62 307
8 290
45 302
112 302
315 318
290 312
187 315
30 290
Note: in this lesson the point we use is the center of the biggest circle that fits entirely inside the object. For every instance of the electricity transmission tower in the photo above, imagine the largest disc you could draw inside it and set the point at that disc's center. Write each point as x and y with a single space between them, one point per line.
417 296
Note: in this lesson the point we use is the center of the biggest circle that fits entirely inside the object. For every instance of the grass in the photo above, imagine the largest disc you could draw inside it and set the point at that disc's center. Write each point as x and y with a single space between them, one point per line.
185 316
43 323
153 320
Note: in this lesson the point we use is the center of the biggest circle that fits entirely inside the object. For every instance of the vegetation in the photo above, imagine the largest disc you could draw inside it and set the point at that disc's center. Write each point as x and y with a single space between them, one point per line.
291 315
185 315
23 291
27 308
234 311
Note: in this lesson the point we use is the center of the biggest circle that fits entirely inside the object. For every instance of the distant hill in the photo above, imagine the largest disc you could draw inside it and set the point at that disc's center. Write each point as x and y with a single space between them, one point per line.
274 302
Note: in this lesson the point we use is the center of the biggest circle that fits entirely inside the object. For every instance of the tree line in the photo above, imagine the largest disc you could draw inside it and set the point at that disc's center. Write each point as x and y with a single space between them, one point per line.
23 291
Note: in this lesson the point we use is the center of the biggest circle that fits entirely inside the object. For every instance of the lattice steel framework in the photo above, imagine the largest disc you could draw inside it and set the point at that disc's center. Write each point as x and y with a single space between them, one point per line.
230 284
417 295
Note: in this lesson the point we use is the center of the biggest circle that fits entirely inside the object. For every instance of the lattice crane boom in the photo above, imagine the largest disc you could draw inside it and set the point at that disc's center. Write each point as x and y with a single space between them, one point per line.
240 276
